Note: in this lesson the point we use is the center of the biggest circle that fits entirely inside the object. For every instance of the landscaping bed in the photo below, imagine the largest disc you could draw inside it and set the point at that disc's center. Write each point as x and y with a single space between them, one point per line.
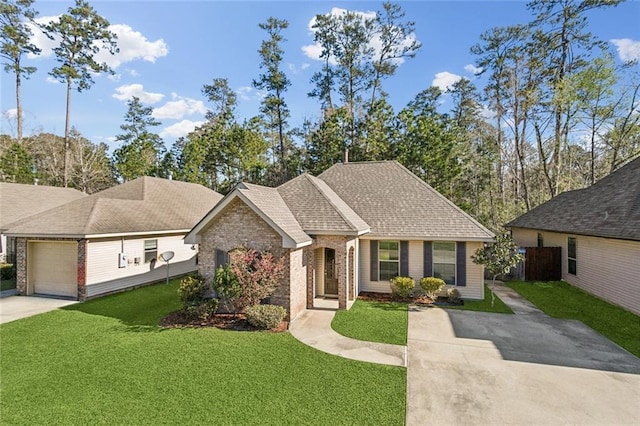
235 322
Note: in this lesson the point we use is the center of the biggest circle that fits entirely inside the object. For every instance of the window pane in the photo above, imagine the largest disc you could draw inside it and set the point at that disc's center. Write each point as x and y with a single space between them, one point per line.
444 253
572 266
150 244
388 270
571 249
388 250
445 271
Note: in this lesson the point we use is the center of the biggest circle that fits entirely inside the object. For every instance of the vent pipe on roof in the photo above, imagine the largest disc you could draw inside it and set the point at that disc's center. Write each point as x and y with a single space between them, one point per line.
345 155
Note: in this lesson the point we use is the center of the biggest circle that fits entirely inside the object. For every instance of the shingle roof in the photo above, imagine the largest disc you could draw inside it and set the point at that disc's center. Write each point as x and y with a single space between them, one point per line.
396 203
18 201
318 208
143 205
270 203
609 208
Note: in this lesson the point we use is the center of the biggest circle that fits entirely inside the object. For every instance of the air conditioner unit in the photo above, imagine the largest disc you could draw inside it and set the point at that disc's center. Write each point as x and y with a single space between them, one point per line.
122 260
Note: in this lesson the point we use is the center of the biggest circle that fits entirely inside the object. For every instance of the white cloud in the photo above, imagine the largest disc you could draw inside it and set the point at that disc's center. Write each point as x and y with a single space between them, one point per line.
470 68
179 107
628 49
11 113
313 51
247 93
132 44
444 80
51 80
114 77
40 40
295 69
180 129
126 92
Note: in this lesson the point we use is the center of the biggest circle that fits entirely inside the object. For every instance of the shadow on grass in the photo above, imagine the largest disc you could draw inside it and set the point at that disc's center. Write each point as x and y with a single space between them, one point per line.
140 309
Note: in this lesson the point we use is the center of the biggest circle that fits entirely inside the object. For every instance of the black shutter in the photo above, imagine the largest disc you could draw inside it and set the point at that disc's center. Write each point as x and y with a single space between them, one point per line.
427 258
221 258
373 275
404 258
461 263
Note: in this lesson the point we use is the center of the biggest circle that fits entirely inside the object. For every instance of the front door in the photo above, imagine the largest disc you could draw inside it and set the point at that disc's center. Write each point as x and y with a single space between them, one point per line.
330 279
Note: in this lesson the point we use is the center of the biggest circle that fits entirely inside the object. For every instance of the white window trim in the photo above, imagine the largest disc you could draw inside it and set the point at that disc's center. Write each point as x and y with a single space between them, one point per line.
145 250
387 261
455 260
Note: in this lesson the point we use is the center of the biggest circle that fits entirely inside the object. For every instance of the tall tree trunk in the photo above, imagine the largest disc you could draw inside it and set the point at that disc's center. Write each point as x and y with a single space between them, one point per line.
543 160
19 106
65 176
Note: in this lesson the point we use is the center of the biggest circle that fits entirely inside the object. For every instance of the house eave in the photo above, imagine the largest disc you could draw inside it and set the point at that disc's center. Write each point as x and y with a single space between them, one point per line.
426 238
95 236
330 232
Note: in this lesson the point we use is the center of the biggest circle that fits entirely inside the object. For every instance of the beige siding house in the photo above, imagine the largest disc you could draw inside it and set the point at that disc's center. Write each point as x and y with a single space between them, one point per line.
111 240
349 230
18 201
598 230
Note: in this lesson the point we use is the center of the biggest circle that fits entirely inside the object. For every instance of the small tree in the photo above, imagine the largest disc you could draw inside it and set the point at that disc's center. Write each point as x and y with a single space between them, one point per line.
257 275
498 258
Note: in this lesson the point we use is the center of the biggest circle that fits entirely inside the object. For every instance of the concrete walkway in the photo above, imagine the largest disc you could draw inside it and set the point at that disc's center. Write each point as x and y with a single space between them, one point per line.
17 307
518 304
313 328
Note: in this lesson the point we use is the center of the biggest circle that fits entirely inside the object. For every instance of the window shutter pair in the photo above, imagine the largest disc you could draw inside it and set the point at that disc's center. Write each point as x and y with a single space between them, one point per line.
461 261
374 273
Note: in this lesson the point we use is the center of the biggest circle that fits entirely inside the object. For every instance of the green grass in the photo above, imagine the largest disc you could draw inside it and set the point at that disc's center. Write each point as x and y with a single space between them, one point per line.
384 322
562 300
107 362
484 305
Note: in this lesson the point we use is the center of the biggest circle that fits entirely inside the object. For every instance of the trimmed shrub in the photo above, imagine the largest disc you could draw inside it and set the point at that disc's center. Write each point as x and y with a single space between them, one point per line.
453 296
7 271
432 286
201 309
265 317
192 289
401 287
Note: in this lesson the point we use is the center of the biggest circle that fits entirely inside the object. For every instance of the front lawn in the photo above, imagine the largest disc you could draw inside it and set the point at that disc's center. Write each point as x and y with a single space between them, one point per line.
484 305
374 321
106 361
560 299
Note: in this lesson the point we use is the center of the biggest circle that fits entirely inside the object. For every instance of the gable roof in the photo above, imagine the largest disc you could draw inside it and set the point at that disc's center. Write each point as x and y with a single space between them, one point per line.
18 201
318 209
141 206
265 202
397 204
609 208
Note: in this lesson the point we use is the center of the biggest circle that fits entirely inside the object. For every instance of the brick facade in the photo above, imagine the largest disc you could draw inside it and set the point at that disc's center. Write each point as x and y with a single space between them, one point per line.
21 266
239 226
82 269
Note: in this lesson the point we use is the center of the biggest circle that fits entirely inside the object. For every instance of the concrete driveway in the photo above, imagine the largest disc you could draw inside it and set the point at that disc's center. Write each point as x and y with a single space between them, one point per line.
16 307
478 368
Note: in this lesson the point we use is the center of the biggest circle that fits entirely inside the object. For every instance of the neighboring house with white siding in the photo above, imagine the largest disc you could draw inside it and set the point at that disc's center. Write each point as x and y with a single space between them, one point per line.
111 240
347 231
18 201
598 229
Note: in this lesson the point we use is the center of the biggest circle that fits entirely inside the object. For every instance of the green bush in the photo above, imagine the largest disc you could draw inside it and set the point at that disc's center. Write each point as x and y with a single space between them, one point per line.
401 287
201 309
265 317
7 271
192 289
432 286
453 296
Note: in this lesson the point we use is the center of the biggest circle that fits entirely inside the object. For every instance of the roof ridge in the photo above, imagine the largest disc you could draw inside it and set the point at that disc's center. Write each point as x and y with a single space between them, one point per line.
335 208
92 214
451 203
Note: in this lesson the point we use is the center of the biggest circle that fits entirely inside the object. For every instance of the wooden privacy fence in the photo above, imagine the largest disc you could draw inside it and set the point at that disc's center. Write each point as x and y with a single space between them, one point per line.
543 263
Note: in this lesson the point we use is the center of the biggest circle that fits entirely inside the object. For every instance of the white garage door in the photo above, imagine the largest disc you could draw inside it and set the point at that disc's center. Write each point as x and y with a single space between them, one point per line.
52 268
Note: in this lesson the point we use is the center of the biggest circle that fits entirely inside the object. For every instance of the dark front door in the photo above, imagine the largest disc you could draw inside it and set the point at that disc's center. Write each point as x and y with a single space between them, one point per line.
330 279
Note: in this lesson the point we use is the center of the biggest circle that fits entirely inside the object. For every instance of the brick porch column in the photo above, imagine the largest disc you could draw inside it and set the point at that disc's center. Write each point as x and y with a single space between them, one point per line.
21 266
82 269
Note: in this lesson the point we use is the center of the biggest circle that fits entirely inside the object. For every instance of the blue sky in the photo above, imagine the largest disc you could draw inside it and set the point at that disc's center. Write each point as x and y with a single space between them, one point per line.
170 49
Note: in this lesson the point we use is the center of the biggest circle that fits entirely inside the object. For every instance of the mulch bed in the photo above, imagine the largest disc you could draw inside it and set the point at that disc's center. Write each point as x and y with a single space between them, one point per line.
222 321
419 300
